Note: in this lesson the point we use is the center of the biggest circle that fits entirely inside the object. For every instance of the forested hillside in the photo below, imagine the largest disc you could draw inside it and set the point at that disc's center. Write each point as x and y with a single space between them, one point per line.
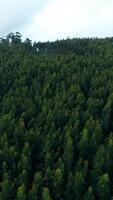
56 119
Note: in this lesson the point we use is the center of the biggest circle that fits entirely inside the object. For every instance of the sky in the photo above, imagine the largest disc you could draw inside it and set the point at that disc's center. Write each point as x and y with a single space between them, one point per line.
43 20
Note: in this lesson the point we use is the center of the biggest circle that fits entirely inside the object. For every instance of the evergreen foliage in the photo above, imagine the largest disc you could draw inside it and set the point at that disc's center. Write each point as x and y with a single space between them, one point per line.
56 119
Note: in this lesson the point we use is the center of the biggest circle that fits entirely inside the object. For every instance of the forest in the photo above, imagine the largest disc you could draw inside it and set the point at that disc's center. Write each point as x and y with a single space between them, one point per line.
56 119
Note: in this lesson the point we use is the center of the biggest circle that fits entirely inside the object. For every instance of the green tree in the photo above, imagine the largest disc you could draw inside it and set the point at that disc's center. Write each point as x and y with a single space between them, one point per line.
68 152
89 194
58 183
103 187
21 193
79 185
36 190
69 194
46 195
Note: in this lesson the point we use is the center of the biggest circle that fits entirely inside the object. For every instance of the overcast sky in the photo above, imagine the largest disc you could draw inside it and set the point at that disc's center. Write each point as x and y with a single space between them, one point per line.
43 20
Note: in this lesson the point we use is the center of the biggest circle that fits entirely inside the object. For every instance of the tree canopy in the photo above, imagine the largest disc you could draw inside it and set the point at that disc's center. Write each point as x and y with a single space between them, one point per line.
56 119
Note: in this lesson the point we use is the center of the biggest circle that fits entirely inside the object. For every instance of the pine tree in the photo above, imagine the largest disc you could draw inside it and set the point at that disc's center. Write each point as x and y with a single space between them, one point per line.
21 193
89 194
46 195
103 187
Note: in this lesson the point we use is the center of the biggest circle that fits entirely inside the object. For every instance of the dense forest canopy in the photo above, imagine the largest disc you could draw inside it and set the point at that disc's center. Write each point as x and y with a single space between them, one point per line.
56 119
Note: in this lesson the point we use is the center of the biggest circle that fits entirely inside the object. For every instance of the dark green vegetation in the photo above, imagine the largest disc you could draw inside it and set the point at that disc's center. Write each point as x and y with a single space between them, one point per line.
56 119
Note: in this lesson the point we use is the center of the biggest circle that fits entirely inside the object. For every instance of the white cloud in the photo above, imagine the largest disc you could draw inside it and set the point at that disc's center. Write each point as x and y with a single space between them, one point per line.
73 18
15 14
55 19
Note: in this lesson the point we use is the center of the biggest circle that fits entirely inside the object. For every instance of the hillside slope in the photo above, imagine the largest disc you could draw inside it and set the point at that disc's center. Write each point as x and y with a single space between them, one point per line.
56 119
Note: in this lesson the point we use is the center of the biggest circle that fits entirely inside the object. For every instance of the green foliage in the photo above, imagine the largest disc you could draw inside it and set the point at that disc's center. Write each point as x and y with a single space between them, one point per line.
45 194
89 194
56 119
58 184
103 187
68 152
79 184
21 193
